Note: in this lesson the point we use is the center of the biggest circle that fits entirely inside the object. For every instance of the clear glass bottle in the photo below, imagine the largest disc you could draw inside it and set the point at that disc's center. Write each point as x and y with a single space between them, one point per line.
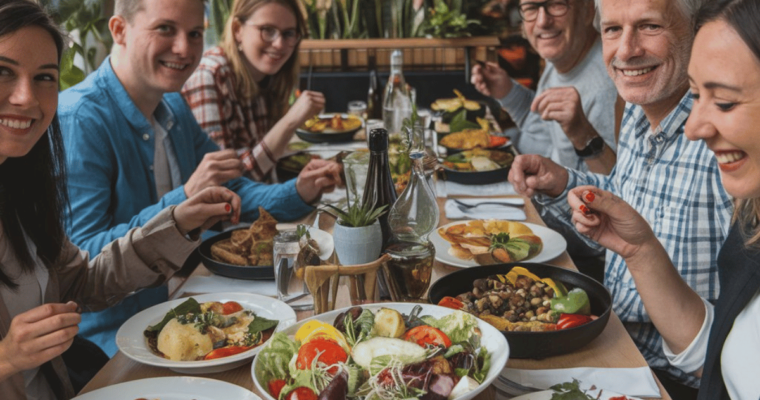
397 102
412 219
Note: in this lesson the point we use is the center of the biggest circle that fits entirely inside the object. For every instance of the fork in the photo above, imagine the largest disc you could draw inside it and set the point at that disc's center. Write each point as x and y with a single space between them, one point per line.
516 386
465 205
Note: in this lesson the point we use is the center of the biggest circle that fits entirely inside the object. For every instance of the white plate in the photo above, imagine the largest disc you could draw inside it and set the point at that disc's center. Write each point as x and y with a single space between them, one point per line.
547 395
493 340
171 388
132 342
554 245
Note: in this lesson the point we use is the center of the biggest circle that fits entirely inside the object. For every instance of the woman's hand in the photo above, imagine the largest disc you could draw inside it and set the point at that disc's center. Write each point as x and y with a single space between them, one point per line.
610 221
317 177
206 208
308 105
38 336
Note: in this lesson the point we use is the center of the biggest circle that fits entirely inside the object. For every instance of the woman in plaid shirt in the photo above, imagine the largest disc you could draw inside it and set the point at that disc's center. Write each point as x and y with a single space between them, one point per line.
239 93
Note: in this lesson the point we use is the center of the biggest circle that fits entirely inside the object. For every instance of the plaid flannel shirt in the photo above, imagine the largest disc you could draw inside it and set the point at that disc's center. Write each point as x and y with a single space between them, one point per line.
231 122
675 185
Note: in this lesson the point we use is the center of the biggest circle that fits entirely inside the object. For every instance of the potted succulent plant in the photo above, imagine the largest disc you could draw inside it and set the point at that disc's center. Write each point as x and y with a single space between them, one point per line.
357 235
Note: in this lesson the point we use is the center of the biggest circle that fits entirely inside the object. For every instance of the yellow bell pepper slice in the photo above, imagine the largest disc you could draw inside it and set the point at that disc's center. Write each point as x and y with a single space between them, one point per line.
316 329
558 287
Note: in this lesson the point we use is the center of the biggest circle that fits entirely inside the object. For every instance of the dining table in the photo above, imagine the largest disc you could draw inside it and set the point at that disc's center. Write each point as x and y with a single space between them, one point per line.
613 348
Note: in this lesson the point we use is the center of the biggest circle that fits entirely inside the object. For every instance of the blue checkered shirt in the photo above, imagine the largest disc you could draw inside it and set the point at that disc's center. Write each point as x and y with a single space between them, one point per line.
674 184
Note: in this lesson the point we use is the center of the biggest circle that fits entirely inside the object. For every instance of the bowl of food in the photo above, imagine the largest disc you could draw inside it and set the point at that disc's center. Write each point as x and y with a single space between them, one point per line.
478 166
401 350
203 334
242 253
542 310
448 108
330 128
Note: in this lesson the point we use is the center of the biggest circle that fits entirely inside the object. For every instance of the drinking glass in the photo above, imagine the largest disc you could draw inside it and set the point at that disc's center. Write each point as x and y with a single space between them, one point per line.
289 277
358 108
409 269
355 166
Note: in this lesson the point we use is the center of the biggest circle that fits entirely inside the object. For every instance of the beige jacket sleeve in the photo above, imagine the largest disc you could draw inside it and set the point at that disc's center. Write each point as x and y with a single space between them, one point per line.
146 256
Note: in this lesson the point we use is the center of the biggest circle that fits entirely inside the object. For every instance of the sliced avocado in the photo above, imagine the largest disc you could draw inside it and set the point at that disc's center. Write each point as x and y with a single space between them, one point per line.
519 250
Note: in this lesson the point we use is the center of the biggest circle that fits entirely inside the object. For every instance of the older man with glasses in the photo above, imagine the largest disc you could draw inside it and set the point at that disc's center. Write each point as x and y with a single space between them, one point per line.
571 117
672 182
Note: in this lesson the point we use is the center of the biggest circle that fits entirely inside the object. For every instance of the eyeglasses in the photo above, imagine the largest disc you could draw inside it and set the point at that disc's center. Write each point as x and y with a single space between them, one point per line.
555 8
270 34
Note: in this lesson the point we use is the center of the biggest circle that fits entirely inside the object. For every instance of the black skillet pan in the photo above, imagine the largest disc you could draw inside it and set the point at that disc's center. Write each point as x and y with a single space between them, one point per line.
537 344
231 270
479 177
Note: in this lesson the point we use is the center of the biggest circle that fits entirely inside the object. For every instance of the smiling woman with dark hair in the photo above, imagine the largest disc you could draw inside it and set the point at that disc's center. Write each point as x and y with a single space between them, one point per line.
44 279
720 341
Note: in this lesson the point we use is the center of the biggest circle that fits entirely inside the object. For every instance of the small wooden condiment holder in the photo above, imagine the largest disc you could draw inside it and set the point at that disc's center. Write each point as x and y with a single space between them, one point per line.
322 281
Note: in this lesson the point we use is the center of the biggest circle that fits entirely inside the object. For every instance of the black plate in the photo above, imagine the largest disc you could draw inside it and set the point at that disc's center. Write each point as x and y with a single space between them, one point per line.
231 270
478 177
319 137
537 344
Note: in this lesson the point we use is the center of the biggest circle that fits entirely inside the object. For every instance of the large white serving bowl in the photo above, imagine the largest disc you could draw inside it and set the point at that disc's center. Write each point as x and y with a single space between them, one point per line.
493 340
132 342
171 388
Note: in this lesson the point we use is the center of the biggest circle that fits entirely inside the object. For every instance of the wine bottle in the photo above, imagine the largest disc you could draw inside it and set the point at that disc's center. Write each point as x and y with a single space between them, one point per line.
397 104
379 190
374 98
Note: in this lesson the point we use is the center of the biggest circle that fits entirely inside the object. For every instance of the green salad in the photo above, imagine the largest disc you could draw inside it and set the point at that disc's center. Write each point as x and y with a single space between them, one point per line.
381 355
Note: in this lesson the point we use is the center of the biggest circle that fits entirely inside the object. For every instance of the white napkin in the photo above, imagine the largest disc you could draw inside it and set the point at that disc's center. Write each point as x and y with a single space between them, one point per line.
220 284
628 381
486 211
448 188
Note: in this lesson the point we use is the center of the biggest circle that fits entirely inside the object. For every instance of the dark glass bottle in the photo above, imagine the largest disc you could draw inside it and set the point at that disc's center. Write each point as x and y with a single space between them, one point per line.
379 188
374 98
380 191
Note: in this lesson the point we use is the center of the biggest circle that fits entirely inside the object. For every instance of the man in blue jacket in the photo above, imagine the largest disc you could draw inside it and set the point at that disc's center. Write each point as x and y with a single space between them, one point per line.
133 146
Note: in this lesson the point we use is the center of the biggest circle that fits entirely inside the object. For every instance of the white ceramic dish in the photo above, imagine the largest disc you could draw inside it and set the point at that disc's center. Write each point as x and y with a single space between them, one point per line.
554 245
492 339
171 388
132 342
599 394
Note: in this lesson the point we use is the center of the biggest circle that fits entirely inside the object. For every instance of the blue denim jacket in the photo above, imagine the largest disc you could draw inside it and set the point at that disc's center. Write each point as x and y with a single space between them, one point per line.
109 156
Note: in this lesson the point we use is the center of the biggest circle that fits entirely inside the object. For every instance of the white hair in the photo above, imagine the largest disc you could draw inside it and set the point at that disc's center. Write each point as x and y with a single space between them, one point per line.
688 8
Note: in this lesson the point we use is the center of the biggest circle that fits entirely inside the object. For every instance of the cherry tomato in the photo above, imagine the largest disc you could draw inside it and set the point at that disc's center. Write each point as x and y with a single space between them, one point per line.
275 387
225 352
451 302
301 393
572 320
332 353
425 334
231 307
496 141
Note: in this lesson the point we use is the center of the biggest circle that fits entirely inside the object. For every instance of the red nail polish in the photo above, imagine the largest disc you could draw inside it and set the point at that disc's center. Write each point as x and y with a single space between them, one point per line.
590 197
227 207
585 209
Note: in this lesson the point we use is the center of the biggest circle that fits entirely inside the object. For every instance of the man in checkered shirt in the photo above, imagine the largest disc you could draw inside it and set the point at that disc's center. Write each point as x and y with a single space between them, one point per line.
673 182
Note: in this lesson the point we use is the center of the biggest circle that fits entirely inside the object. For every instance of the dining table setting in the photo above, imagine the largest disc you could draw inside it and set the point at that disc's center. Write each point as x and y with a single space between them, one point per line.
299 294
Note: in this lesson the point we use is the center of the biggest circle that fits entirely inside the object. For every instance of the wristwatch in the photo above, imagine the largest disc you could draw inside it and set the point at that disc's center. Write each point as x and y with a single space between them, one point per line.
593 148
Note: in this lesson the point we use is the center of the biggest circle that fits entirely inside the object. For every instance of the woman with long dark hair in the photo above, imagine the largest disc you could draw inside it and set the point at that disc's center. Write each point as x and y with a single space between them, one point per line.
44 279
239 93
721 342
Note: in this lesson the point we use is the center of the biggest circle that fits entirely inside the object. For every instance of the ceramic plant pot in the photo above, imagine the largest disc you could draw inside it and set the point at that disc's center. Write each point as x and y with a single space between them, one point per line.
357 245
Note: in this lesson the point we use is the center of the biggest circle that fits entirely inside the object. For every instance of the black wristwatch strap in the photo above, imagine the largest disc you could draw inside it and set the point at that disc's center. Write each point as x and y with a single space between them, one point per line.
593 148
